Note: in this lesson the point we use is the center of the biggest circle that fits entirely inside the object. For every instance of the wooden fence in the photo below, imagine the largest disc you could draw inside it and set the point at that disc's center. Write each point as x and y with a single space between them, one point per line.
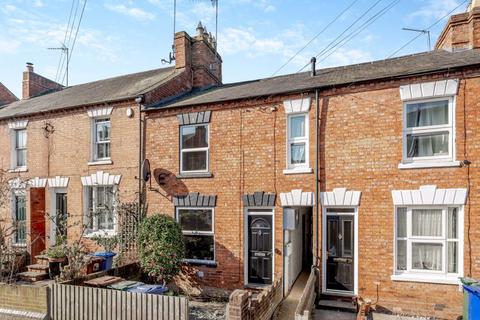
85 303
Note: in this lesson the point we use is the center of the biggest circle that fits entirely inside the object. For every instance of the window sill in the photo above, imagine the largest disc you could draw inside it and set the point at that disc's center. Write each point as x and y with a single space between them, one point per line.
100 162
298 171
438 164
101 233
194 175
20 169
19 245
210 264
426 278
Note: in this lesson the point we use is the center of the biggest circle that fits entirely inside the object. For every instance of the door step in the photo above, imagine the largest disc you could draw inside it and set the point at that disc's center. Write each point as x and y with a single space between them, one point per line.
39 268
42 259
33 276
337 304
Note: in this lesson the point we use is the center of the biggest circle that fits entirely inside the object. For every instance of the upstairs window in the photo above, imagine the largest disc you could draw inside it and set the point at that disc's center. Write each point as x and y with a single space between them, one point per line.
297 142
194 148
19 219
20 148
101 139
428 133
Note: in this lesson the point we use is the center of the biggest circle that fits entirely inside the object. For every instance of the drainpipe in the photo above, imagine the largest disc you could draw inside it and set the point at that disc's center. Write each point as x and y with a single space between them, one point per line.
316 172
139 100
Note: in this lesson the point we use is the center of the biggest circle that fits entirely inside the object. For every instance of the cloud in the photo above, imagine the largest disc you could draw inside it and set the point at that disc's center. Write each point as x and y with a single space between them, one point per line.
434 9
38 4
236 40
130 11
8 46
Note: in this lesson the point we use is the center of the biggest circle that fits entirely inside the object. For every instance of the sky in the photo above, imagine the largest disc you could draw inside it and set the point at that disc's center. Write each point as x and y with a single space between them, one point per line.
255 37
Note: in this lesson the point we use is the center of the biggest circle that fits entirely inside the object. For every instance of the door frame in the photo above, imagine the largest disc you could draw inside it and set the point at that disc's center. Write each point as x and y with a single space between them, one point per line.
324 250
267 211
53 213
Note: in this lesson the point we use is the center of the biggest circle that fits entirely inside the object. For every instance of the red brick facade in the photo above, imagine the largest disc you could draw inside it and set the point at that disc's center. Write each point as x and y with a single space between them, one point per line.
360 149
34 84
462 31
6 96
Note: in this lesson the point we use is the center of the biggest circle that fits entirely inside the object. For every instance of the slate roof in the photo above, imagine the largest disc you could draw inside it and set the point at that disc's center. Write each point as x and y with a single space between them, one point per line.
433 61
107 90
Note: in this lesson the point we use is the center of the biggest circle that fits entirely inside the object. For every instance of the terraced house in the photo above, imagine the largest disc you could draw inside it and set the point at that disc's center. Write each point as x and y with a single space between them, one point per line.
367 171
71 149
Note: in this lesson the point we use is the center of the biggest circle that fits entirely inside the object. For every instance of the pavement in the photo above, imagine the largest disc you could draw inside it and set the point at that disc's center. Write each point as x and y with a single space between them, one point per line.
332 315
289 305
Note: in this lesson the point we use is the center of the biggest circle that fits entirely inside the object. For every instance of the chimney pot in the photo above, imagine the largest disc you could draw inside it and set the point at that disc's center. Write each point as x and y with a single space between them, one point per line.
314 66
200 29
29 67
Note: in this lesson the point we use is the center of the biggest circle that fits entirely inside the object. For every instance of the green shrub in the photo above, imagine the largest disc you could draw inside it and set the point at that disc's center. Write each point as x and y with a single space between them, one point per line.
161 247
56 252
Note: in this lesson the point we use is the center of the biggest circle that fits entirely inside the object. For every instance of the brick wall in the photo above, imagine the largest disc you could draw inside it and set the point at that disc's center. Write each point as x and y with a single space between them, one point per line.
34 84
24 298
255 304
461 32
6 96
67 151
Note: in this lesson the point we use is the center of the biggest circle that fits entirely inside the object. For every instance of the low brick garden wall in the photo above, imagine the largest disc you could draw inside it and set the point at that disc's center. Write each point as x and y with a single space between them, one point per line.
255 304
16 301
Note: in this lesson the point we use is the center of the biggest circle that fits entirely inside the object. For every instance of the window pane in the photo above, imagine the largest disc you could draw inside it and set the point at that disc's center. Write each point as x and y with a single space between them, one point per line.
194 137
427 222
452 223
103 150
297 126
427 256
427 114
452 257
20 220
427 145
20 139
194 161
199 247
347 238
401 222
103 130
195 220
402 255
22 158
297 153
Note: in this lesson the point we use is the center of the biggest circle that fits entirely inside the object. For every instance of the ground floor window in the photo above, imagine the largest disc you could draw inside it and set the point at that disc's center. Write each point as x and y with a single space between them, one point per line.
428 240
198 232
100 215
19 219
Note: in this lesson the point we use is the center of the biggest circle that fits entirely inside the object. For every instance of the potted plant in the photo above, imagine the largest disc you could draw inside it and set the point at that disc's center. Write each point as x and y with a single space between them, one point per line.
109 244
56 258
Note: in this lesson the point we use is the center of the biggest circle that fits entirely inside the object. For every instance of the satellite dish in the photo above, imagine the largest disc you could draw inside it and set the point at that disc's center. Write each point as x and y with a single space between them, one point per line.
146 173
169 182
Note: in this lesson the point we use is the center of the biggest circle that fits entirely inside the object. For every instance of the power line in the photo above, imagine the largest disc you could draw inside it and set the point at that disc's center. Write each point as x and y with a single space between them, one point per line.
316 36
76 33
345 31
64 41
428 29
360 29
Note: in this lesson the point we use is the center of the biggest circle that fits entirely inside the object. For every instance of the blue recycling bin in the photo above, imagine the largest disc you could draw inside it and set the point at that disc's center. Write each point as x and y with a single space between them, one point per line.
108 256
472 299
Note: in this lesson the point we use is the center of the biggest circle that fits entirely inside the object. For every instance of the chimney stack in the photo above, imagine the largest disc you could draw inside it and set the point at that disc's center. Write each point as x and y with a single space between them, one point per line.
462 31
35 85
199 55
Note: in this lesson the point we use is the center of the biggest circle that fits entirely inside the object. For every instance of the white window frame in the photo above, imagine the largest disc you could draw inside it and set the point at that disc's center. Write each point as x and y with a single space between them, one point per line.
14 151
207 149
430 276
303 167
95 231
200 233
18 193
431 161
95 158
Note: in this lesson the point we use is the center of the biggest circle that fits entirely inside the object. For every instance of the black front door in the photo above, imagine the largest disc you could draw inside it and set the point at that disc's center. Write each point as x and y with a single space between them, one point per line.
340 253
260 249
